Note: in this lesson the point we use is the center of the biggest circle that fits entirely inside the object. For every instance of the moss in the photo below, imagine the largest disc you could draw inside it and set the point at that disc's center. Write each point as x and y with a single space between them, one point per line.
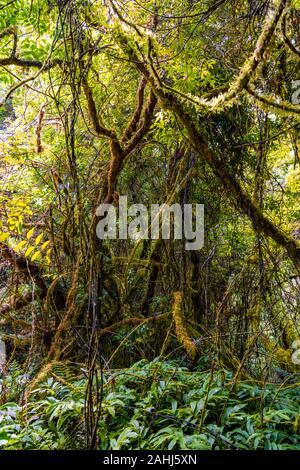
267 102
282 356
297 424
181 332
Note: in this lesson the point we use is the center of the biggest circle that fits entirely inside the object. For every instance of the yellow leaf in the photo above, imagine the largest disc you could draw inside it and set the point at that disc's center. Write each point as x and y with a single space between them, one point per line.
3 236
30 233
28 251
45 244
19 227
38 238
36 255
20 245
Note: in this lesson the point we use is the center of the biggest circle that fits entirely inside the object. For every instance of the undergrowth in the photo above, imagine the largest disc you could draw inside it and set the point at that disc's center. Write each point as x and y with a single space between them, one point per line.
151 405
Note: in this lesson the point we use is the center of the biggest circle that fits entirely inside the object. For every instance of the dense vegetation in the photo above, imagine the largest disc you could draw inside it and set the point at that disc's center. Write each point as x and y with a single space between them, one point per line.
127 344
156 405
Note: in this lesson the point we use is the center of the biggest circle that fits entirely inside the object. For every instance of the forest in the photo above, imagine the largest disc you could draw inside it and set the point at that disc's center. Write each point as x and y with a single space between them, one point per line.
154 341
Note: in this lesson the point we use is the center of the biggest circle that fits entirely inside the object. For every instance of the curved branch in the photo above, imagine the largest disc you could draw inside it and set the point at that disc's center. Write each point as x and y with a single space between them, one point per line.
117 153
24 63
131 128
251 64
115 165
283 106
286 39
97 125
241 199
132 321
11 31
246 72
30 63
145 125
16 86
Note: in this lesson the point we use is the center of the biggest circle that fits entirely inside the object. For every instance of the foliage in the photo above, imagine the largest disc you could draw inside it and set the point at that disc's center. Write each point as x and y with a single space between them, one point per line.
165 101
156 405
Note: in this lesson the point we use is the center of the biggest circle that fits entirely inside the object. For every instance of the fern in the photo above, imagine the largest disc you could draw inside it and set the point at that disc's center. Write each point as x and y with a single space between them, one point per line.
154 405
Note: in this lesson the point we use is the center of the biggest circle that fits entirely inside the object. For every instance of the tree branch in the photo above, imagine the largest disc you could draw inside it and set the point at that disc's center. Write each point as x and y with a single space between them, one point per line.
11 31
283 106
97 125
145 125
241 199
286 39
132 126
30 63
